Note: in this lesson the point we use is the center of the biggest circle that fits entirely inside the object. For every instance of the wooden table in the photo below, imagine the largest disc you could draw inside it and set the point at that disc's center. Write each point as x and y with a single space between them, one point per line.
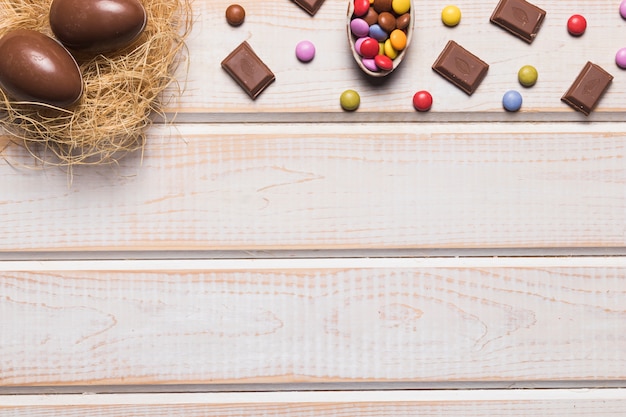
283 257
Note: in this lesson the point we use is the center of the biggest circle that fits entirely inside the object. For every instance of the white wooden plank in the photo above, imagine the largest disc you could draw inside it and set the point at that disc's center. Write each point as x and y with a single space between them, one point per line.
418 324
319 396
458 403
292 186
311 91
271 264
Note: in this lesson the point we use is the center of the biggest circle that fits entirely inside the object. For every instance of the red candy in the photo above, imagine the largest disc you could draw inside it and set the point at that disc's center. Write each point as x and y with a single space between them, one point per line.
369 48
383 62
422 101
361 7
576 25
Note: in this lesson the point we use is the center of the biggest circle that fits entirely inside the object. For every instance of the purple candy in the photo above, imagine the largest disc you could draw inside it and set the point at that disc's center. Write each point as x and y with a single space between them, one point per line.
305 51
359 27
620 58
622 9
370 64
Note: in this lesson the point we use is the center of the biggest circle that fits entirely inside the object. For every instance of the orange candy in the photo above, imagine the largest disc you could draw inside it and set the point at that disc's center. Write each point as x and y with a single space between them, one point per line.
398 39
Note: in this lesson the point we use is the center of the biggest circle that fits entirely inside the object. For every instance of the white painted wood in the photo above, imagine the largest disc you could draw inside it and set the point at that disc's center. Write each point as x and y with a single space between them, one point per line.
292 186
319 397
310 323
459 403
384 178
135 265
311 91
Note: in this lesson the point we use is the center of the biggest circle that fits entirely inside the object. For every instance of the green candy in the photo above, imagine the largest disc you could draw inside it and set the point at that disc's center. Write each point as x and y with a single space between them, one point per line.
350 100
527 75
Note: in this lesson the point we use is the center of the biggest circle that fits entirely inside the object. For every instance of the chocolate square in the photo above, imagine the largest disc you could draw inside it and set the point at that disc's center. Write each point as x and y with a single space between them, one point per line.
587 88
245 67
519 17
310 6
462 68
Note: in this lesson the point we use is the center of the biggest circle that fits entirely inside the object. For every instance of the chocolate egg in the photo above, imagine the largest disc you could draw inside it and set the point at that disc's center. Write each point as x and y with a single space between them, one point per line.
34 67
97 26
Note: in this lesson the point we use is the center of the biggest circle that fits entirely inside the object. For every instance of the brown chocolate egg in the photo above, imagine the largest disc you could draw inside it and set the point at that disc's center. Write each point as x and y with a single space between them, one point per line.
36 68
97 26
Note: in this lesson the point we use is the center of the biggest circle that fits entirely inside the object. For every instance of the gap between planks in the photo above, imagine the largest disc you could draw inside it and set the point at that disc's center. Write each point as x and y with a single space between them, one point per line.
325 387
313 253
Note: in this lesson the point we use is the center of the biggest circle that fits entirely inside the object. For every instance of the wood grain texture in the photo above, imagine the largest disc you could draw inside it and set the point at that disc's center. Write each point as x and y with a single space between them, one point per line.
104 325
334 186
310 92
499 403
300 174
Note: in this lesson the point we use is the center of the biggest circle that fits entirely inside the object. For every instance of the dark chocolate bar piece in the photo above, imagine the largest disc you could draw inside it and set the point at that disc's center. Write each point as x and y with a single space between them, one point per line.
311 6
250 72
459 66
519 17
588 88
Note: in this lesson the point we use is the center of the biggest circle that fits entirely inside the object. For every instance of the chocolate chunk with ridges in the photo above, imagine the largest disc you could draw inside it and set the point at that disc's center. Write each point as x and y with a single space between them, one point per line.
311 6
519 17
250 72
462 68
590 85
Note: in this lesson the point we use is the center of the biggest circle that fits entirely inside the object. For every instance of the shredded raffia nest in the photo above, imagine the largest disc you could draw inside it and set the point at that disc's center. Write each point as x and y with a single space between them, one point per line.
122 90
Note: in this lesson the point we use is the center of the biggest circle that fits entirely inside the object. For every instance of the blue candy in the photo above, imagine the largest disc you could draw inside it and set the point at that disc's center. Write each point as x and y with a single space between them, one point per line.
512 100
378 33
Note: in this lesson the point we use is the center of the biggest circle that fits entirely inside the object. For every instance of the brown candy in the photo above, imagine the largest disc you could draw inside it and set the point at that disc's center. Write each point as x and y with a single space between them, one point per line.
235 15
371 17
402 22
382 5
387 21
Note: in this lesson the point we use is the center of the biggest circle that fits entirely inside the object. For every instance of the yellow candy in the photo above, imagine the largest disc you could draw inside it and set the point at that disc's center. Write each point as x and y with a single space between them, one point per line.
401 6
389 50
398 39
381 48
451 15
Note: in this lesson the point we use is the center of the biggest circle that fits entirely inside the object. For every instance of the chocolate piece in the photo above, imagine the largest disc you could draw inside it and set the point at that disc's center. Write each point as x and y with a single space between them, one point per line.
519 17
588 88
311 6
248 70
459 66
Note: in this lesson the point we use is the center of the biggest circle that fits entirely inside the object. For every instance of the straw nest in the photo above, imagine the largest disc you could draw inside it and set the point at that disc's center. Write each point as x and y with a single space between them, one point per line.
122 91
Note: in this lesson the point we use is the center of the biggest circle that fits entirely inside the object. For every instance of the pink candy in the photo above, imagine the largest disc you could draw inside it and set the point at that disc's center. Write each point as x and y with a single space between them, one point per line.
359 27
305 51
